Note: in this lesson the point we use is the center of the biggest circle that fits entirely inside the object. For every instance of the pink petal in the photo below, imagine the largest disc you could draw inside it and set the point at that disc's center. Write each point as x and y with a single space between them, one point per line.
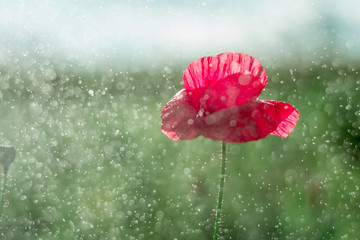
231 91
244 123
178 118
248 122
287 116
207 71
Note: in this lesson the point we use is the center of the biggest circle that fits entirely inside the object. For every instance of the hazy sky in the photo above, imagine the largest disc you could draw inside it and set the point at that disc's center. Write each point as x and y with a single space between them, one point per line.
145 31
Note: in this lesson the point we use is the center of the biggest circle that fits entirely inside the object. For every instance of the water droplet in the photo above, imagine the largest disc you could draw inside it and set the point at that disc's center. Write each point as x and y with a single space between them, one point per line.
245 79
187 170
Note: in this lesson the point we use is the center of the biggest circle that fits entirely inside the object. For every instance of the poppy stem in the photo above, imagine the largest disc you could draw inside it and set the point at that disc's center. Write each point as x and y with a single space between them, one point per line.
3 192
221 191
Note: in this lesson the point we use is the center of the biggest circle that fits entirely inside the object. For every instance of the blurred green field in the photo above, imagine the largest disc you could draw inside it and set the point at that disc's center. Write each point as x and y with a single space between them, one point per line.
92 162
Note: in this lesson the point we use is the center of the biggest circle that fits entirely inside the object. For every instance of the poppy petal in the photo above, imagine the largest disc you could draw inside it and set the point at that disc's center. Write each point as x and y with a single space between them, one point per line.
178 118
206 72
233 90
249 122
287 116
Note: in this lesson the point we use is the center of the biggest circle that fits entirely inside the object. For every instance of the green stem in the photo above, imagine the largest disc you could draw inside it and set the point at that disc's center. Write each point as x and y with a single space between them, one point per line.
3 192
221 192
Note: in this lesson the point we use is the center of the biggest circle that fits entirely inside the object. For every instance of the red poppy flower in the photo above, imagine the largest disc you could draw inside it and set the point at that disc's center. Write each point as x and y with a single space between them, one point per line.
220 102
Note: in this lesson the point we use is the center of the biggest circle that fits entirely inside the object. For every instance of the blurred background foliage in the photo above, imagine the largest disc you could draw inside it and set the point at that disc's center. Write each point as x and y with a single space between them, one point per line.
92 162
